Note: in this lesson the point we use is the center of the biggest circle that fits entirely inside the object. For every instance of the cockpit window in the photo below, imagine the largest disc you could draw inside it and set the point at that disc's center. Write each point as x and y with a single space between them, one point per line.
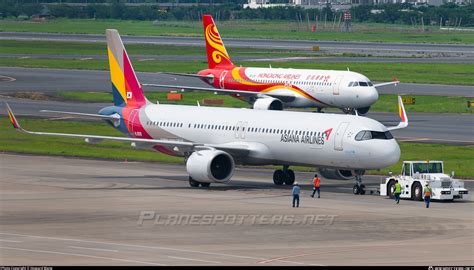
369 135
363 84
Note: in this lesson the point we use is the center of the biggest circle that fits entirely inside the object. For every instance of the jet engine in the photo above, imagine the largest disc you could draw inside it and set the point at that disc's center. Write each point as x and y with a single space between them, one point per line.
363 111
268 103
210 166
337 174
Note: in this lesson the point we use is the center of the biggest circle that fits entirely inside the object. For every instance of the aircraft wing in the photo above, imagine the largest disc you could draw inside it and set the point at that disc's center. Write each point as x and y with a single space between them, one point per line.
403 116
282 97
111 117
240 150
386 83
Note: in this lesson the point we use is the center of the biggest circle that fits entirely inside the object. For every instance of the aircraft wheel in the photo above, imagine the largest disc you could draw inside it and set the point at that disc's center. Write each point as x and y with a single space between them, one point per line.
290 177
193 183
279 177
356 190
362 190
205 185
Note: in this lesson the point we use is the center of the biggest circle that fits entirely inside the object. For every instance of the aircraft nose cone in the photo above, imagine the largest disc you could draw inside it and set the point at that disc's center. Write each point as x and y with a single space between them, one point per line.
389 154
367 97
371 96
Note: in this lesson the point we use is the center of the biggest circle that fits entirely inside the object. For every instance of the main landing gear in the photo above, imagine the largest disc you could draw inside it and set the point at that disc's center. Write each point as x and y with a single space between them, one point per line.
359 188
319 110
285 176
195 184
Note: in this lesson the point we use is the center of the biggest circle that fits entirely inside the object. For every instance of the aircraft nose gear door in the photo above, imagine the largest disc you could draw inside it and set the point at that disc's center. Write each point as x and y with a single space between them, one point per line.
222 79
339 140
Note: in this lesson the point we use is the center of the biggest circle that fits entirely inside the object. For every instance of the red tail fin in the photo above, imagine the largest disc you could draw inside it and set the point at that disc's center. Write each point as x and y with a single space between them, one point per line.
217 56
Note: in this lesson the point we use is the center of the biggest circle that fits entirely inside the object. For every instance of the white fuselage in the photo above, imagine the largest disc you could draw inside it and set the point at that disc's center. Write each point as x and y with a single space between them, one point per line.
275 137
309 87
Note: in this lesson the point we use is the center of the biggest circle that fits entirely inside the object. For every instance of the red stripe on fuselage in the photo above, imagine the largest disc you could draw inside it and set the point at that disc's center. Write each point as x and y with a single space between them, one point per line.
253 86
136 129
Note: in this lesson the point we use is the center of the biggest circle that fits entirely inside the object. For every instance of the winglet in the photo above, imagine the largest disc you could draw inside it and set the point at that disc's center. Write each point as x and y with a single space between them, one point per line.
12 118
403 116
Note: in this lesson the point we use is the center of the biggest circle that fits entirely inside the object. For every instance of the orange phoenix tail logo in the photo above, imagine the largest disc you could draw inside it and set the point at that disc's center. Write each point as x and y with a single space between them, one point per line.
217 55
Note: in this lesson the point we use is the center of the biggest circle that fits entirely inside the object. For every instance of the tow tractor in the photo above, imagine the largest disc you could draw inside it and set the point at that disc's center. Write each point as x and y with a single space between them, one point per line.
415 175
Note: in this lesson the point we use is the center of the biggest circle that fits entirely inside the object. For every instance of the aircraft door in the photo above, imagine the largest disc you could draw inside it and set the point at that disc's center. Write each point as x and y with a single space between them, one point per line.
240 130
222 79
339 138
237 129
243 130
336 85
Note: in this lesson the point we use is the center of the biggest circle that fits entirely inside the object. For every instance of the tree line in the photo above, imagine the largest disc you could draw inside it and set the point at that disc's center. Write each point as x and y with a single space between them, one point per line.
445 15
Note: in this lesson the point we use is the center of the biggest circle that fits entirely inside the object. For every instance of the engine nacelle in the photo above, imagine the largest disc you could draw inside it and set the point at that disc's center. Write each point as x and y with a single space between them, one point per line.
363 111
268 103
338 174
210 166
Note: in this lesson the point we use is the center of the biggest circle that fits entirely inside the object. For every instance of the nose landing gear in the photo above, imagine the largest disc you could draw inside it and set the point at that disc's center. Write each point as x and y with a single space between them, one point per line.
359 188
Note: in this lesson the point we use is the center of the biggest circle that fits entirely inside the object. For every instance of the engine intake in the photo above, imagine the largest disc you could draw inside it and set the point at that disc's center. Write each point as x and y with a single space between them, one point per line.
268 103
210 166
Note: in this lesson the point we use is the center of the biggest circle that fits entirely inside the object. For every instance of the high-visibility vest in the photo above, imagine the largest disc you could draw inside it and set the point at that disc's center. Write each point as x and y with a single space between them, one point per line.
398 188
427 191
316 182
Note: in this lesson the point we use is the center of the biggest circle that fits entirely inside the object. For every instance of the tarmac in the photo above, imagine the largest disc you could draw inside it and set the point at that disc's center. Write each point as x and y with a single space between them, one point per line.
69 211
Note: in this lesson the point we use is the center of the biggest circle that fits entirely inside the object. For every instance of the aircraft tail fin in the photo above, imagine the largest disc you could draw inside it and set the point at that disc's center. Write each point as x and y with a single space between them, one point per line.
126 89
217 56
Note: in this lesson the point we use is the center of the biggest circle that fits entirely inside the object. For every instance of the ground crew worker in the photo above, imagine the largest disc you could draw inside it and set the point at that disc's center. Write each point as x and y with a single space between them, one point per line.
316 185
398 191
296 194
427 195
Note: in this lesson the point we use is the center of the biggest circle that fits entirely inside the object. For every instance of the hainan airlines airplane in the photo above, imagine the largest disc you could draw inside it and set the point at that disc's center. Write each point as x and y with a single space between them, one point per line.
276 88
213 140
